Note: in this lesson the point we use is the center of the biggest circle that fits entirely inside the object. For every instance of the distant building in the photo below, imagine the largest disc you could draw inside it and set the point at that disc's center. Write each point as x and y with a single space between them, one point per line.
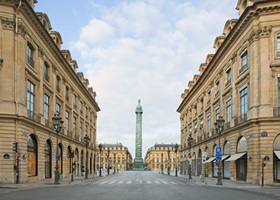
38 80
241 83
117 158
159 156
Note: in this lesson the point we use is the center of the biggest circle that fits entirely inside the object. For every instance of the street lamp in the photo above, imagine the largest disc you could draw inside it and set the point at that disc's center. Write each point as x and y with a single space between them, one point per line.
219 125
108 168
162 163
190 140
114 163
168 161
57 123
100 150
86 138
176 150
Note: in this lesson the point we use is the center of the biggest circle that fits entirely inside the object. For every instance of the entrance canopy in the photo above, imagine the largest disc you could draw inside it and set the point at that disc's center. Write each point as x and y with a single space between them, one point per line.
210 159
277 153
236 156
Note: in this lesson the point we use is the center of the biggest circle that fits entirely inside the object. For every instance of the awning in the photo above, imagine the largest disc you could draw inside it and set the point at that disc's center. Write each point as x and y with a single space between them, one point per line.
223 157
210 159
236 156
277 153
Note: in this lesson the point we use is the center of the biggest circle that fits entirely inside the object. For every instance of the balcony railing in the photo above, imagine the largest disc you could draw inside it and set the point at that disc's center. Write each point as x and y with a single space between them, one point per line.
48 123
46 77
30 61
276 112
243 68
33 116
240 119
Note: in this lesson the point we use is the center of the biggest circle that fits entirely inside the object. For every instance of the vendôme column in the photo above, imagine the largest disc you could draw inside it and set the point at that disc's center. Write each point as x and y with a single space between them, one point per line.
138 160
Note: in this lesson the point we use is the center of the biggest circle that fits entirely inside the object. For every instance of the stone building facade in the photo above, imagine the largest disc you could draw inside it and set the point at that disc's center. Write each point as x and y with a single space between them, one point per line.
37 80
159 156
241 83
115 156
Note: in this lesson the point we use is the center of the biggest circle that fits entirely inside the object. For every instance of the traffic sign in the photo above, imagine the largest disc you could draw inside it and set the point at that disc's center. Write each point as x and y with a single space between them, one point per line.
218 150
218 154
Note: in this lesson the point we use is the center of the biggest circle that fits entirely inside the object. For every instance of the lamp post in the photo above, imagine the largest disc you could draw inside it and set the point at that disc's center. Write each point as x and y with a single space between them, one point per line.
162 163
86 138
176 150
57 123
190 140
168 161
108 168
114 163
219 125
100 150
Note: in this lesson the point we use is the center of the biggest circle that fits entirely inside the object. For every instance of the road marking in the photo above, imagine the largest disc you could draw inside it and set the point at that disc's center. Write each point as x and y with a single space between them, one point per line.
165 182
128 182
111 182
157 182
174 183
181 183
120 182
103 182
149 182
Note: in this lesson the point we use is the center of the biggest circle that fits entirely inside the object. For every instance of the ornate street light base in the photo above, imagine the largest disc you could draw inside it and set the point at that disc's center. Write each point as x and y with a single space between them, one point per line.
56 177
219 178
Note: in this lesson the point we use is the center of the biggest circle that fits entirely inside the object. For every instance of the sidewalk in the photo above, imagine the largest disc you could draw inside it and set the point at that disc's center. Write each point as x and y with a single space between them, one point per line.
50 182
225 182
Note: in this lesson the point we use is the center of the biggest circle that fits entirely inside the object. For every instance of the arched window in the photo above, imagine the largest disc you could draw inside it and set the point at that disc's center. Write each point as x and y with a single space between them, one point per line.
242 145
31 156
48 159
227 148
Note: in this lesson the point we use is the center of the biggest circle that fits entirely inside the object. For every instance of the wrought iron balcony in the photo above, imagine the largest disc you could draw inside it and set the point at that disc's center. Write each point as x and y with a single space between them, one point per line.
240 119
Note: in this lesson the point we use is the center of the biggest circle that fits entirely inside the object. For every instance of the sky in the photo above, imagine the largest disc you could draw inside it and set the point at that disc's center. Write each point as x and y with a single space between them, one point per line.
138 49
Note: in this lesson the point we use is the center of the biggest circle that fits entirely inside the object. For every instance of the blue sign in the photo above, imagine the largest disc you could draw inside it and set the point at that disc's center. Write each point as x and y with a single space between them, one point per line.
218 150
218 154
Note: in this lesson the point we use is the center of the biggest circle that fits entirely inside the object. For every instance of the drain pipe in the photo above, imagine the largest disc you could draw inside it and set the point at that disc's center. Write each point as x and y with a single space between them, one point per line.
16 15
15 89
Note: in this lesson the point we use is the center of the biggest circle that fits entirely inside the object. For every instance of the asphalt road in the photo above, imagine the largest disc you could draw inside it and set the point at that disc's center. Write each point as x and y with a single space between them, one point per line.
135 186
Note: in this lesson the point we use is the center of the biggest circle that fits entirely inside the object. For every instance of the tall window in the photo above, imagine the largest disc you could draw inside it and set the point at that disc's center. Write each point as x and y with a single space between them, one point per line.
209 123
31 156
46 107
201 123
74 101
217 88
67 121
244 103
29 55
81 107
30 99
278 92
228 74
81 129
57 83
244 60
75 125
278 45
67 93
217 112
46 72
228 112
57 109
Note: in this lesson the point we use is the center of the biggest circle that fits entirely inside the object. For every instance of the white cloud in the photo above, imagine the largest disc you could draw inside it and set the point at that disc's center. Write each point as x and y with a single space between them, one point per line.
148 50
